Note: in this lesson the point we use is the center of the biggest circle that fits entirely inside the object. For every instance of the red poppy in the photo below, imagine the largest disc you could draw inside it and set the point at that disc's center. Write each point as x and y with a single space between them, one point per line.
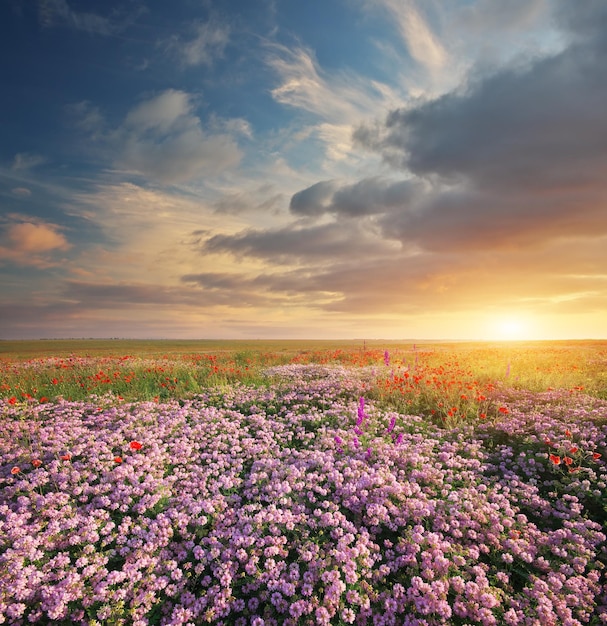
135 445
66 457
556 459
503 410
15 470
573 450
12 400
117 459
36 462
596 455
567 433
568 460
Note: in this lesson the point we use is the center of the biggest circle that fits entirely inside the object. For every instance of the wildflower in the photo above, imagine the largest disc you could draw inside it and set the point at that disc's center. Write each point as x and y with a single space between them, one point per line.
66 457
567 433
387 358
573 450
568 460
361 411
15 470
117 459
556 459
135 445
392 424
12 400
596 455
483 416
504 410
36 462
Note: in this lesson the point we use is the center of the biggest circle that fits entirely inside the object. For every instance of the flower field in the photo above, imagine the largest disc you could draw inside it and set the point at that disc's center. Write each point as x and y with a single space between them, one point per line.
396 486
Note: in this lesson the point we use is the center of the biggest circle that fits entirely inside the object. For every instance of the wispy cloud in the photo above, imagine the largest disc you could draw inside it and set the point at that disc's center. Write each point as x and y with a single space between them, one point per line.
207 43
24 161
164 140
53 13
335 100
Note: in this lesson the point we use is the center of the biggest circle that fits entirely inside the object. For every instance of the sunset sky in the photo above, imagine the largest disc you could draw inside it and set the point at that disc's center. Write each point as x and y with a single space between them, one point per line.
303 169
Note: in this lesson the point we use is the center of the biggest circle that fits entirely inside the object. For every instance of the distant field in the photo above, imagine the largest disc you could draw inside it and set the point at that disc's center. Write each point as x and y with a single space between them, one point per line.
30 349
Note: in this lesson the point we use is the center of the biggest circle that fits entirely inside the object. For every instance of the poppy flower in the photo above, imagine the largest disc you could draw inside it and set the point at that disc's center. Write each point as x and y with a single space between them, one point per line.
573 450
12 400
66 457
568 460
36 462
135 445
504 410
596 455
117 459
556 459
15 470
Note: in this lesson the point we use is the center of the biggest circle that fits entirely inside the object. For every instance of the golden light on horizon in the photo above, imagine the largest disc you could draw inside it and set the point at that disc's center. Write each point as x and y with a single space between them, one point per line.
511 327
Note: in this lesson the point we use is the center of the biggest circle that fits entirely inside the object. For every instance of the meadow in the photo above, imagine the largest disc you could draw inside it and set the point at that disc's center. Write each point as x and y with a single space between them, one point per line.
266 483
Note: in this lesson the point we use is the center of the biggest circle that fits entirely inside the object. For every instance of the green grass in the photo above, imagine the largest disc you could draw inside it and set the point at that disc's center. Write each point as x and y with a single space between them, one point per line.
444 381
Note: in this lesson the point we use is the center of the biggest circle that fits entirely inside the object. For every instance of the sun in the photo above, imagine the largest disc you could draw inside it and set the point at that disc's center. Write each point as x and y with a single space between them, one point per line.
509 328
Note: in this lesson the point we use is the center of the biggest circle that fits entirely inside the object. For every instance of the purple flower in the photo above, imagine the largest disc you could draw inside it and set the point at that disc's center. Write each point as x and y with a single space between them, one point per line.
361 411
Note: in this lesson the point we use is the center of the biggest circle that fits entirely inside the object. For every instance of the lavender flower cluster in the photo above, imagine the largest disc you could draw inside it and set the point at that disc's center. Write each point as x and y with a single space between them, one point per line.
295 503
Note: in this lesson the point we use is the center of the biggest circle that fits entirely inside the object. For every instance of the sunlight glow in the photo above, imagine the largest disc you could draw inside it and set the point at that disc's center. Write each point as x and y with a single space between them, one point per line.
510 329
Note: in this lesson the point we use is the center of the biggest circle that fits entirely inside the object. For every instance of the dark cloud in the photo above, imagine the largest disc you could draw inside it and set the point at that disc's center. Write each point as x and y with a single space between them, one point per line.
369 196
314 243
517 158
311 201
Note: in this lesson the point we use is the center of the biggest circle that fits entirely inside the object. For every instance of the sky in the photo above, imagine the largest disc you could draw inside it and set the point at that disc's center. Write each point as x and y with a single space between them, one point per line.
242 169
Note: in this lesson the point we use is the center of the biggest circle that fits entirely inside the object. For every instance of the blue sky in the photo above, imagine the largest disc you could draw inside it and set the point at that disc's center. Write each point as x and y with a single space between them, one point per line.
322 169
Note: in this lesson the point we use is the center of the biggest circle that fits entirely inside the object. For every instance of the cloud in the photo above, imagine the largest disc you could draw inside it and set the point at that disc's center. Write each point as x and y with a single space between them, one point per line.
337 97
324 242
31 242
515 159
423 45
24 161
369 196
52 13
313 199
335 100
163 139
208 43
495 15
21 192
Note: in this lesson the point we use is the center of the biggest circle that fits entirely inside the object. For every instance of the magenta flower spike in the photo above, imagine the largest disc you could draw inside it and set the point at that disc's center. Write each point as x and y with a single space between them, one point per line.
361 411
